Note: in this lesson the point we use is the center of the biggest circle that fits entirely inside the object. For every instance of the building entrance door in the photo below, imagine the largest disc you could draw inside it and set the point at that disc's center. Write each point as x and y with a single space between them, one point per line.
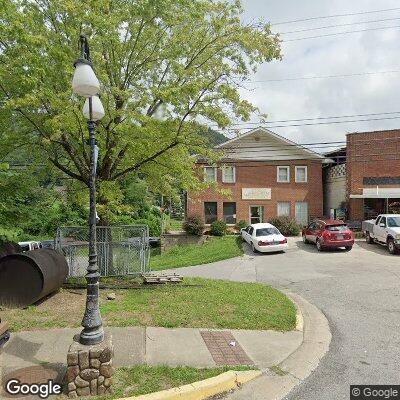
256 214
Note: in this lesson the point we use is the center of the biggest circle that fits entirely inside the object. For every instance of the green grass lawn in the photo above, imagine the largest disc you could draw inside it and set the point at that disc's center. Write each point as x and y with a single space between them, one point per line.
201 303
208 303
215 249
143 379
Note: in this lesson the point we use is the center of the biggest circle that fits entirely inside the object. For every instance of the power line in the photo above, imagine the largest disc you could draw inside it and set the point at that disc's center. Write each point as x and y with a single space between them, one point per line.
333 143
317 118
325 76
311 124
338 25
342 33
293 144
334 16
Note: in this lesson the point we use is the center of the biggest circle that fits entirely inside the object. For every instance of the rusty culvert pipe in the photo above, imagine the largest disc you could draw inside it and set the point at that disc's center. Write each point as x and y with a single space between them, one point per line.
27 277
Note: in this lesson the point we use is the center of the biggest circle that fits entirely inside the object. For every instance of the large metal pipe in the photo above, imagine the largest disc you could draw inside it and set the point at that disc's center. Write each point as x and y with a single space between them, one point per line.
27 277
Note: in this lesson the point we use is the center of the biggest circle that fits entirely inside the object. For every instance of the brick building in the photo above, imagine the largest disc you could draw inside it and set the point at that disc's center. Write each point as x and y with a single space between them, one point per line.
262 175
373 173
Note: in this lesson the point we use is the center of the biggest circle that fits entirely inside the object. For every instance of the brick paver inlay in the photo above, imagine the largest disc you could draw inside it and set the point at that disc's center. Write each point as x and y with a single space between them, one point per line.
225 349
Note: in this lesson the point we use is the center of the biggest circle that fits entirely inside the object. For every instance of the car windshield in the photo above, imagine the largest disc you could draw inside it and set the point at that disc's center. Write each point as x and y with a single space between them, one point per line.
393 222
267 231
337 228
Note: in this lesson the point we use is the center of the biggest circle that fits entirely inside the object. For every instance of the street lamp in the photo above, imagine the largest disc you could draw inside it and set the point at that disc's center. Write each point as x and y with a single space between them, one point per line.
85 83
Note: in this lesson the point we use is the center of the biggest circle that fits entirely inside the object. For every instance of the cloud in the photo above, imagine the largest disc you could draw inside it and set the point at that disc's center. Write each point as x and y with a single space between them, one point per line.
333 55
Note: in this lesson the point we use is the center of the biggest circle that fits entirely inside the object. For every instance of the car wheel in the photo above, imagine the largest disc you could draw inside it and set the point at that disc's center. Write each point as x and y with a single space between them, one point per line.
305 241
348 248
253 248
368 238
319 246
391 246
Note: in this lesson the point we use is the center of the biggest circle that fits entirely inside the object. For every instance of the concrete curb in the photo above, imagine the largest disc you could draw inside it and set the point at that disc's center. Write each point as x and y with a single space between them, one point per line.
203 389
298 365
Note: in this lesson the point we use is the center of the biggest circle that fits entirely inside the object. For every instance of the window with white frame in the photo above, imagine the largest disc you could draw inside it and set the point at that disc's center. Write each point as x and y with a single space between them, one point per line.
210 174
283 174
283 208
301 174
302 212
228 174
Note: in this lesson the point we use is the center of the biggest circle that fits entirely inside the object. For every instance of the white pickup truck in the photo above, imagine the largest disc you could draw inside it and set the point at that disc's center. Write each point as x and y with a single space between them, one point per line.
385 230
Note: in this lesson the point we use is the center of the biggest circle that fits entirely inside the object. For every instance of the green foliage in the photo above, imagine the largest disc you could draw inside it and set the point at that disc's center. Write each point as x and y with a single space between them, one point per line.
194 225
241 225
287 226
153 223
219 228
30 208
162 65
9 235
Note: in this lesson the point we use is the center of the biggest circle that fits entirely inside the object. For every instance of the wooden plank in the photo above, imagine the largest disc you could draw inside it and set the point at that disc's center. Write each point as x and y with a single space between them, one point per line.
3 327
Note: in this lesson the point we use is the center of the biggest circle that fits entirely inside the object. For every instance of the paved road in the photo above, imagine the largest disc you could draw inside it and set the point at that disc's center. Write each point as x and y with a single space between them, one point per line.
359 294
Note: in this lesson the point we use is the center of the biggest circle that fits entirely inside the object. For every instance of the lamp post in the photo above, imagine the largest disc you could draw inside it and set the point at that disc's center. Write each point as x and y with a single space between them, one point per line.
86 84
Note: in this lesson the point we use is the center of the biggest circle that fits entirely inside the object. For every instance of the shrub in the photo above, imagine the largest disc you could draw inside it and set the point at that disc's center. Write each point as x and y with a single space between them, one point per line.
194 225
241 225
153 224
288 226
218 228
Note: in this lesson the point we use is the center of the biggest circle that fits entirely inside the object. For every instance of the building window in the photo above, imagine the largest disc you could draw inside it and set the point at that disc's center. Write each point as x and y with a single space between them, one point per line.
283 174
210 174
230 213
302 212
228 174
283 208
301 174
210 212
256 214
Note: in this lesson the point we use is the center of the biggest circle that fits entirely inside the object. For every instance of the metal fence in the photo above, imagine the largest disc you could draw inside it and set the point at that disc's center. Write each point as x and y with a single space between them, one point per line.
121 250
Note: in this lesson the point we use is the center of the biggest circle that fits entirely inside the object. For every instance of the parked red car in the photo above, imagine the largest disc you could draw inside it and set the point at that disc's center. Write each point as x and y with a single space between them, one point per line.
328 234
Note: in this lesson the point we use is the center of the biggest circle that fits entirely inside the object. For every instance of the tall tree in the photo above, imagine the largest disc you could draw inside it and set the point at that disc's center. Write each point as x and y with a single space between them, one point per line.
164 65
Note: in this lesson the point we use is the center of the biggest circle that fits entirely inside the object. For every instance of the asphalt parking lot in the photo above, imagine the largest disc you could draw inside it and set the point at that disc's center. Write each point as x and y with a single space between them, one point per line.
358 291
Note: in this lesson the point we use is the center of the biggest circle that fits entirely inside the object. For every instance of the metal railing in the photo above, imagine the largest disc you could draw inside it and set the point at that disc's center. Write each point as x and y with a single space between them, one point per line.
121 250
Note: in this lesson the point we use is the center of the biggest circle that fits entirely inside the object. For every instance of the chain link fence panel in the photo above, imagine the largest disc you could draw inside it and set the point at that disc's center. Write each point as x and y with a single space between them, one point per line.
121 250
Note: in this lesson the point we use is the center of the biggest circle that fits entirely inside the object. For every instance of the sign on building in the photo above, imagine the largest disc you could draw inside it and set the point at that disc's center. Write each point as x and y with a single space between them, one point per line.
256 193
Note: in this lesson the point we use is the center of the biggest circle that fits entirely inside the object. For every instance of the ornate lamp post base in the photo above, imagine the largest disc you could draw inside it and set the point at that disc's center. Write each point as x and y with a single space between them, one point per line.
89 368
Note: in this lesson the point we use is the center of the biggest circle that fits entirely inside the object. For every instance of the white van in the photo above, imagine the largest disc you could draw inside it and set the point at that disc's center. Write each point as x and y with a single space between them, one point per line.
27 246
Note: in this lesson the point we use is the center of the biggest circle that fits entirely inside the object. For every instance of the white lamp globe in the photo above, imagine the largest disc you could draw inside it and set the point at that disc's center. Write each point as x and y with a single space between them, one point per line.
97 109
85 82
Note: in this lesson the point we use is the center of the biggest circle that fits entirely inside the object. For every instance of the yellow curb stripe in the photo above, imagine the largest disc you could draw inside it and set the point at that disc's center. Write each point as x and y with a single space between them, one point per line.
201 390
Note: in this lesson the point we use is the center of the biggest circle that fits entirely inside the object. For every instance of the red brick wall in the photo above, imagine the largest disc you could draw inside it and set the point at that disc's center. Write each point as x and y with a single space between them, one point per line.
263 175
370 154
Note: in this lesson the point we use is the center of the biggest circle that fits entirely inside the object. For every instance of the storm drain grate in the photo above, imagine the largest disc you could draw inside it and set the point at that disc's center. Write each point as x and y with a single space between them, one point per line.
225 349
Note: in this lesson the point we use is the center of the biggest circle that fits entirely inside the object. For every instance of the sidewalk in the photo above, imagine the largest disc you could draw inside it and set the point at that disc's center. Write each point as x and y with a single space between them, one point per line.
156 346
295 354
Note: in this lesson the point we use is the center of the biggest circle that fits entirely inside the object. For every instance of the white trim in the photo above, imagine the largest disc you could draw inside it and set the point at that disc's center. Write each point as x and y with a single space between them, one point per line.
288 173
295 173
205 174
223 168
267 131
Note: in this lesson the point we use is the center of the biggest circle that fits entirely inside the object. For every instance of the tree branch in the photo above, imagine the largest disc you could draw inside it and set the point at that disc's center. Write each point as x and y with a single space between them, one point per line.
146 160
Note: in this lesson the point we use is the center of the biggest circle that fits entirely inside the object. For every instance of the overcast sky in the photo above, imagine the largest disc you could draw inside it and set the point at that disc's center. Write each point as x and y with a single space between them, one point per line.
370 51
